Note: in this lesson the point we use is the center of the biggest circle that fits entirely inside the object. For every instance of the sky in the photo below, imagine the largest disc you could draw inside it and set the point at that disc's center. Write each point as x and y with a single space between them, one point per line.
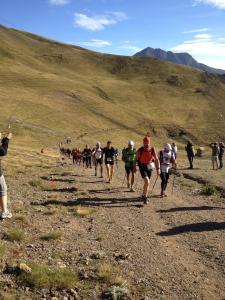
126 26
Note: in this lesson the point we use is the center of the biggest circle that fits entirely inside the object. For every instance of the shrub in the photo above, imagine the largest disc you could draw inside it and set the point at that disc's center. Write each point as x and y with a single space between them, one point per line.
208 190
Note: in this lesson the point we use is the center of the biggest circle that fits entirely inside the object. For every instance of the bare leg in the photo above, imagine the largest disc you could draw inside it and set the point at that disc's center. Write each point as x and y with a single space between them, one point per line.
3 203
112 171
108 171
146 186
132 179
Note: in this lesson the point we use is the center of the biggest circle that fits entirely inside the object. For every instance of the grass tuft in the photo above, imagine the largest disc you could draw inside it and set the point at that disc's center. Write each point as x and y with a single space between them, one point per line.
51 236
15 235
3 249
42 277
84 211
208 190
111 275
42 185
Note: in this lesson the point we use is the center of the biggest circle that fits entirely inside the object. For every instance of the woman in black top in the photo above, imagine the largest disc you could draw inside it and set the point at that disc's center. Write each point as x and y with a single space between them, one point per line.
109 153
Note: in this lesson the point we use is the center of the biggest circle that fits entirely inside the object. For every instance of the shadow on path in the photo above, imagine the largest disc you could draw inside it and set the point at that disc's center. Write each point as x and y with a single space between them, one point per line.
190 208
195 227
106 202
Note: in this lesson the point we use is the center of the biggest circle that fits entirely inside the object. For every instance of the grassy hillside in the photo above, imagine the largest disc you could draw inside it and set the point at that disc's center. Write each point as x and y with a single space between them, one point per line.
50 91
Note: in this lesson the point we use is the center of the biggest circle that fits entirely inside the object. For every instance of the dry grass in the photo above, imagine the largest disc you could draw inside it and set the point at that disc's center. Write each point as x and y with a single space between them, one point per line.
108 93
41 276
111 275
15 235
84 211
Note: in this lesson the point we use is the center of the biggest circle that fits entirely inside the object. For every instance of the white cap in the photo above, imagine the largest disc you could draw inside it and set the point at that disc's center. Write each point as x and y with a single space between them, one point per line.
131 143
168 147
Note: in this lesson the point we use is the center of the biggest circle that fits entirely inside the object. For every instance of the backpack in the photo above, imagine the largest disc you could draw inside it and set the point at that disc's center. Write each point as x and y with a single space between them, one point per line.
141 150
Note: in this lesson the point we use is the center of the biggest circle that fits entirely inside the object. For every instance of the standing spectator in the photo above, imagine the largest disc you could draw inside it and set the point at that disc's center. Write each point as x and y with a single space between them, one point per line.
190 153
215 155
3 187
222 147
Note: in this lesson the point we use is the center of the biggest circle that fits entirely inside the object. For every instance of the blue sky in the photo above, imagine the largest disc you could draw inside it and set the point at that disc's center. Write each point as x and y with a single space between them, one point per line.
126 26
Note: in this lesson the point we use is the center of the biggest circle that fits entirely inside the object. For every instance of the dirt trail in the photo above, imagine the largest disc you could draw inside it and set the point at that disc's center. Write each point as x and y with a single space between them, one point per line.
172 248
169 262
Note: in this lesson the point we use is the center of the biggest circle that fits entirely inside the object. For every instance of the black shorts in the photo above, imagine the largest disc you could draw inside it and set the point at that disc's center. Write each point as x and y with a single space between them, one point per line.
130 168
98 161
111 162
145 171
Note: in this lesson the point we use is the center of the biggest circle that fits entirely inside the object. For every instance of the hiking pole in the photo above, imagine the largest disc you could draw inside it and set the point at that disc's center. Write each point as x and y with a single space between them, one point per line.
154 184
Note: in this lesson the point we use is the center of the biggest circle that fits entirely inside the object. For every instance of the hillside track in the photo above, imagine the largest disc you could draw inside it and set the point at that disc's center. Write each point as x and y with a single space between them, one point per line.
173 249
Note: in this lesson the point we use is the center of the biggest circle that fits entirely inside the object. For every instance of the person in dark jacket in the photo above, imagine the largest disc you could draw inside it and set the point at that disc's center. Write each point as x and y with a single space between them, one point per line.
3 187
190 153
221 153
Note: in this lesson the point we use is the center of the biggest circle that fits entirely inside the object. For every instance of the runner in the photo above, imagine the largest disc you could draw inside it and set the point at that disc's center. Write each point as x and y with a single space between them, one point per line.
109 153
129 157
3 187
145 157
167 160
215 155
98 158
84 155
74 155
190 153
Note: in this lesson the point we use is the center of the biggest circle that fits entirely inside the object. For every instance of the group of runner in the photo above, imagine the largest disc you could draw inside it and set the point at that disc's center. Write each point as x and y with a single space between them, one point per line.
146 158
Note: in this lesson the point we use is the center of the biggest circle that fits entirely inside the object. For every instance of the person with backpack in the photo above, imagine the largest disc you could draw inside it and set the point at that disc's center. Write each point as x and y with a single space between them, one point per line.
4 214
222 147
190 153
146 155
109 153
167 161
129 158
98 158
215 155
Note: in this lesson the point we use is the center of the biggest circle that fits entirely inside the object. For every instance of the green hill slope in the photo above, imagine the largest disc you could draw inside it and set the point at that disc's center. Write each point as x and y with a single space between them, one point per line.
49 91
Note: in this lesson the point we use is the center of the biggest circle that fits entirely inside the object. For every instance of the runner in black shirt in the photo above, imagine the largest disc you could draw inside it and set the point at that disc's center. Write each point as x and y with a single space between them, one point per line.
109 153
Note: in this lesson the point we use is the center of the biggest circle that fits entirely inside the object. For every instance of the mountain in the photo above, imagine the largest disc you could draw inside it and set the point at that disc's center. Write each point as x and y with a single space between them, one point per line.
50 90
177 58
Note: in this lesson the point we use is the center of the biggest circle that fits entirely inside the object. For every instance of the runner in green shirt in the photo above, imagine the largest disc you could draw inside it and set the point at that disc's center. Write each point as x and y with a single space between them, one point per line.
129 157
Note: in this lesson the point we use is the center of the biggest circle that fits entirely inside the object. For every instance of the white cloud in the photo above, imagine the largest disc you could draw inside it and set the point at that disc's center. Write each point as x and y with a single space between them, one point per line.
59 2
206 49
196 30
97 43
203 36
98 22
220 4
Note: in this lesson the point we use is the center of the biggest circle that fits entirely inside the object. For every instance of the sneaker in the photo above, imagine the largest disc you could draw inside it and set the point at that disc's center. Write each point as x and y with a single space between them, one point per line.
132 189
144 199
6 215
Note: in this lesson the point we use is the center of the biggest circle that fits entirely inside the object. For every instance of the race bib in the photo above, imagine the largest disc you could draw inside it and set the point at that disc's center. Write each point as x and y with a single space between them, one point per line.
109 159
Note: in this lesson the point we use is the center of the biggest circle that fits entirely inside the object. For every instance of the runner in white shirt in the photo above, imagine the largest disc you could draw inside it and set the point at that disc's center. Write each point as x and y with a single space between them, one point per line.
167 161
98 158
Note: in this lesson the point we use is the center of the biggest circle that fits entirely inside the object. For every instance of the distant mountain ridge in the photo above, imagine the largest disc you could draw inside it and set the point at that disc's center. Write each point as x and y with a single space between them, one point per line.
177 58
